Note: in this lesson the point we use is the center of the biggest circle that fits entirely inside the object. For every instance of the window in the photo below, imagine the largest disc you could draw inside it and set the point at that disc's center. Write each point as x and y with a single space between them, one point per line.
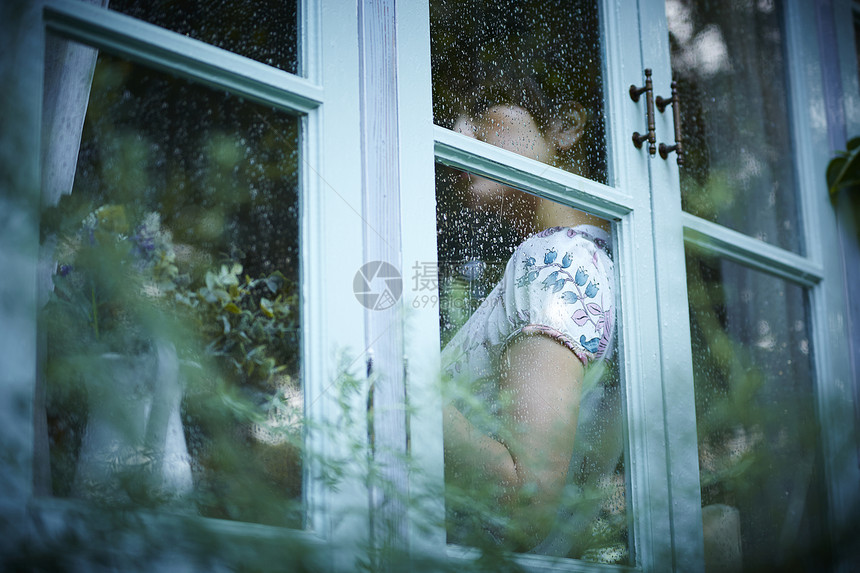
743 215
305 143
190 170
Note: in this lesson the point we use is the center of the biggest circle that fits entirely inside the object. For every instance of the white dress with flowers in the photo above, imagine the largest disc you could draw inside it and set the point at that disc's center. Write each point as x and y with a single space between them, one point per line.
559 283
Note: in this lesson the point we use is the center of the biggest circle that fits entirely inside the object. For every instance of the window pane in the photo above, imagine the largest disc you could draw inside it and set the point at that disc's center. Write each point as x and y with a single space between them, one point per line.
728 59
542 59
755 404
527 299
856 13
263 30
172 368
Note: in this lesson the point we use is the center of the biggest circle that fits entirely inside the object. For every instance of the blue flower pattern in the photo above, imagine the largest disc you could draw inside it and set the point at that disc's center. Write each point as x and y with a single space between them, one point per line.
560 276
588 309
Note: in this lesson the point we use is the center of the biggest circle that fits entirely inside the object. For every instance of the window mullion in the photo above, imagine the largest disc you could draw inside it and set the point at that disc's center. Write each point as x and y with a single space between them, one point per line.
676 369
380 152
427 536
751 252
520 172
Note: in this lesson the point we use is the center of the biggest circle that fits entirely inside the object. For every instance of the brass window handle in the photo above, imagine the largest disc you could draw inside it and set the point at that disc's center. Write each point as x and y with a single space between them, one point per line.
650 135
678 148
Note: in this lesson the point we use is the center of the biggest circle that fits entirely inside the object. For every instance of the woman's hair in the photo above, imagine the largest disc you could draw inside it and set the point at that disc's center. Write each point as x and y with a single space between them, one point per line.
566 125
509 85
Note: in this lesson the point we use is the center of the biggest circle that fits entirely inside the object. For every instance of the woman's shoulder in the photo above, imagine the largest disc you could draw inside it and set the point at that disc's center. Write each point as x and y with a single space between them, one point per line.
561 283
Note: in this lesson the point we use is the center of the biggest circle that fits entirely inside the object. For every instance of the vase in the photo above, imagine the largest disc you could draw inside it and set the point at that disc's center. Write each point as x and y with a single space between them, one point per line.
133 449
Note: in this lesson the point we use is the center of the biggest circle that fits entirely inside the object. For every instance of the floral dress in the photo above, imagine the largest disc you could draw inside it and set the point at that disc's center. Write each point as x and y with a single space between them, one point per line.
558 283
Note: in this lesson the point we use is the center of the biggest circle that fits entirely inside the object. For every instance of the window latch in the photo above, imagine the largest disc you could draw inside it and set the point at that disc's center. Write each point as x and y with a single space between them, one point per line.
665 150
650 136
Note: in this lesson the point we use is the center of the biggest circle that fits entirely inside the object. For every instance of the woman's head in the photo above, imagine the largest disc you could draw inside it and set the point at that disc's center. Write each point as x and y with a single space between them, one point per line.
515 129
510 111
508 108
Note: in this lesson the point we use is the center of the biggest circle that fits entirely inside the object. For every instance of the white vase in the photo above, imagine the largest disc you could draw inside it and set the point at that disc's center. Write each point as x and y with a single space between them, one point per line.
133 448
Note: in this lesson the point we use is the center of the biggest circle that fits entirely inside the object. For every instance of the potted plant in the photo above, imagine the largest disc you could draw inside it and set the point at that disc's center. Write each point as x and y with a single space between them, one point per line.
105 321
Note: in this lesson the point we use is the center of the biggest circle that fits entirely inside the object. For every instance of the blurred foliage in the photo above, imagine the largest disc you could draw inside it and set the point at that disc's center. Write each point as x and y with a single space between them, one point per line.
181 229
106 264
758 437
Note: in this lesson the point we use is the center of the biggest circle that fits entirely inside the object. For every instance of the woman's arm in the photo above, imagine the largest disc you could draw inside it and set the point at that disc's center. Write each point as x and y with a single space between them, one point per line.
541 383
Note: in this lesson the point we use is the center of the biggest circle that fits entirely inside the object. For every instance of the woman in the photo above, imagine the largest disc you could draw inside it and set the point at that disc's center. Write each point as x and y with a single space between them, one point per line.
519 361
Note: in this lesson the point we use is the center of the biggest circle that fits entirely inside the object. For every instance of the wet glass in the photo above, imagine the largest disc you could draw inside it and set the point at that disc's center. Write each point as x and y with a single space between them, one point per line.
729 61
512 266
543 57
856 14
759 457
263 30
172 370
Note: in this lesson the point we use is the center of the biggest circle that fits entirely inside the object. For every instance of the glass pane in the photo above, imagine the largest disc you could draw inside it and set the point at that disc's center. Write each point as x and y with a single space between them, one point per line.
728 59
856 13
263 30
172 327
762 492
538 60
533 433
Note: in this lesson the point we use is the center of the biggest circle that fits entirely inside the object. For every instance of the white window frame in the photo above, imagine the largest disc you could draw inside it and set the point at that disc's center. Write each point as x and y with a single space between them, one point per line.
626 201
325 99
644 201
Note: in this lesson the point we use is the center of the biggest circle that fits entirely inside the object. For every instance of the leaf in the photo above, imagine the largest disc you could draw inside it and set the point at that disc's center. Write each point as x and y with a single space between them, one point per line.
579 317
594 308
834 169
221 294
232 308
275 282
266 307
844 170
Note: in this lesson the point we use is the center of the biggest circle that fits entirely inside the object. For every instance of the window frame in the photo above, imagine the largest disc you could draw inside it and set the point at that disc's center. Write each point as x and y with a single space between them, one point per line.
642 198
325 100
662 454
818 270
625 200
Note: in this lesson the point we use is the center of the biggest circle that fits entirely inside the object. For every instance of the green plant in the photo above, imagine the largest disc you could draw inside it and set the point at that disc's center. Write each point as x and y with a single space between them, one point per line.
118 281
843 171
114 273
251 323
